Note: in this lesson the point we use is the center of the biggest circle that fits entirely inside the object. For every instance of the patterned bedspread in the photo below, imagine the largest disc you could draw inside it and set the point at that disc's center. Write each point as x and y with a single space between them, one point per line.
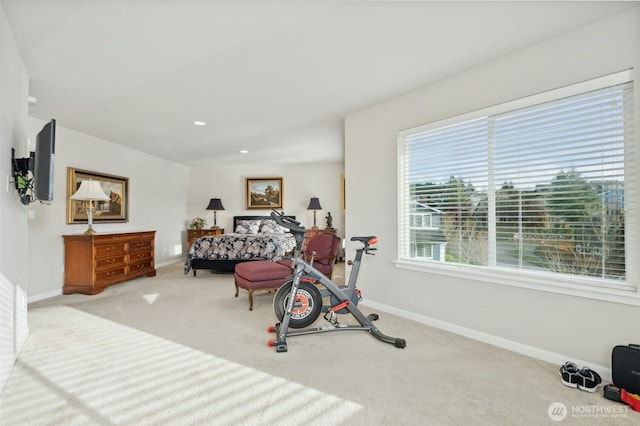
240 247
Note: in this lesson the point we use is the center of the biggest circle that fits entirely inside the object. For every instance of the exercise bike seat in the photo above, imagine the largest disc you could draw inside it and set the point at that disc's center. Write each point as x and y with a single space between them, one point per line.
367 241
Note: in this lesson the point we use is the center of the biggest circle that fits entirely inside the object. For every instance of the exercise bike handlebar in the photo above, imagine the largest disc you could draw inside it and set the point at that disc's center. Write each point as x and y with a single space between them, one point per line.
294 226
288 222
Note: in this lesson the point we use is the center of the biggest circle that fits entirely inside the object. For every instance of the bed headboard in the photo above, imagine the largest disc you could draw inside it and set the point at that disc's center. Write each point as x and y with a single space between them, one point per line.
237 218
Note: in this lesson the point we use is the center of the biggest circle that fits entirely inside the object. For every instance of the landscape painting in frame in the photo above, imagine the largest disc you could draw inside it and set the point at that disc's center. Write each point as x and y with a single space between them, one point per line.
116 209
264 193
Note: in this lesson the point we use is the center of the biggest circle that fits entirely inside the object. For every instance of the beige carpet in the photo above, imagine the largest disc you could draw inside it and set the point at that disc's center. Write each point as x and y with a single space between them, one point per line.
178 349
82 369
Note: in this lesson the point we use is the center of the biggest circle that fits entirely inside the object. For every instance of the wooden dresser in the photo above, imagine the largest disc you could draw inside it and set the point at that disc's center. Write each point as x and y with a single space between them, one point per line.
94 262
194 234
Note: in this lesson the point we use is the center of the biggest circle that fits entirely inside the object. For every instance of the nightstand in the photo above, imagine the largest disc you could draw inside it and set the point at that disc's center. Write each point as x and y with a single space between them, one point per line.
194 234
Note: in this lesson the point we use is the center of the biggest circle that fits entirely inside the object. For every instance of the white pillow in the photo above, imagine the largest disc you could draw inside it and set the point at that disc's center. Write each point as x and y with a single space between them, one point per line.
270 226
247 226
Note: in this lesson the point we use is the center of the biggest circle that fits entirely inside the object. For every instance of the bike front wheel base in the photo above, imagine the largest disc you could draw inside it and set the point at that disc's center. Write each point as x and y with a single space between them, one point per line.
307 304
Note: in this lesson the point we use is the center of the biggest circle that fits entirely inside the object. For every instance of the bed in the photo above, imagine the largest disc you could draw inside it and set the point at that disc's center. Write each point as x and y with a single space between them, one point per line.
253 238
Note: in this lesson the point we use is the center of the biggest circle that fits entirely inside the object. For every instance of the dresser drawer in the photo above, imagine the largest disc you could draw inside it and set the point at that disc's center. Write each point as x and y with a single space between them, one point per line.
110 262
110 249
144 265
140 255
110 274
197 233
139 245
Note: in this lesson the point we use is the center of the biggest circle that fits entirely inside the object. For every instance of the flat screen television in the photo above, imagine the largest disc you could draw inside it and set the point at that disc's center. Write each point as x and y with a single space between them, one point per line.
44 162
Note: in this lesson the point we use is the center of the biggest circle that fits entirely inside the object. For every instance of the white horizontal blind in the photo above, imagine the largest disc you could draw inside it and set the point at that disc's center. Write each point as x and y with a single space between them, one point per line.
540 188
439 170
561 167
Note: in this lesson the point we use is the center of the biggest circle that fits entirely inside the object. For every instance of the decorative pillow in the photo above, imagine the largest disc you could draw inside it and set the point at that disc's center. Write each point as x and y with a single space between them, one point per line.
247 226
270 226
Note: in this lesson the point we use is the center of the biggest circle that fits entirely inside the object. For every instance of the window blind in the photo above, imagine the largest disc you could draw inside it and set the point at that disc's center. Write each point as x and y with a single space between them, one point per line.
543 187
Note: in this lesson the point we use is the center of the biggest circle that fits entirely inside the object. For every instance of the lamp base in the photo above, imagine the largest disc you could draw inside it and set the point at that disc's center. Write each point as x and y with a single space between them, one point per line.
215 227
90 211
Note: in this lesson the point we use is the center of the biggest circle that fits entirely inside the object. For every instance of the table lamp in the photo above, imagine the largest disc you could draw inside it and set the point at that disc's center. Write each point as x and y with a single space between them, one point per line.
314 204
90 190
215 204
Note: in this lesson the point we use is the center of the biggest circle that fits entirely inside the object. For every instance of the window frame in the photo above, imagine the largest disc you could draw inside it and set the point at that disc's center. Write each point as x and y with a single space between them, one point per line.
627 293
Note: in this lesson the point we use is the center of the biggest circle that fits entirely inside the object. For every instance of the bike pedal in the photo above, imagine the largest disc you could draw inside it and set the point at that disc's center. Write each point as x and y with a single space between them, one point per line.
331 318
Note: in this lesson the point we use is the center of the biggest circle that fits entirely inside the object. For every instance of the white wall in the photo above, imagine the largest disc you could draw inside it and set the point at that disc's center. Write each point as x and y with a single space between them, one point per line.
163 196
300 183
158 192
14 88
551 326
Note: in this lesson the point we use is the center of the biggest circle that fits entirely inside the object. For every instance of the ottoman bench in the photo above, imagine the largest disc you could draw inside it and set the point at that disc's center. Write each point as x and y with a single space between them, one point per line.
260 275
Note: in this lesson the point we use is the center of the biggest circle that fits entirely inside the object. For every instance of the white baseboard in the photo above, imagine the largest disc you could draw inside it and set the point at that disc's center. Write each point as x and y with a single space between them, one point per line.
42 296
54 293
530 351
170 262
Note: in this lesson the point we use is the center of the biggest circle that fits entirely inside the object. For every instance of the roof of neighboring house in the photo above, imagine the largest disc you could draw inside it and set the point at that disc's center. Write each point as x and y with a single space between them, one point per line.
417 206
429 236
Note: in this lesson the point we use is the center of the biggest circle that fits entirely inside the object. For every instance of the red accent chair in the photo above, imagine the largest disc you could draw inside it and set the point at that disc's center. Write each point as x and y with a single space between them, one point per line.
321 252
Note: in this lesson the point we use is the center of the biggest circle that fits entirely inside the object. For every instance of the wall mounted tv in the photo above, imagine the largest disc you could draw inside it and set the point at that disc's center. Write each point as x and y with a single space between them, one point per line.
44 162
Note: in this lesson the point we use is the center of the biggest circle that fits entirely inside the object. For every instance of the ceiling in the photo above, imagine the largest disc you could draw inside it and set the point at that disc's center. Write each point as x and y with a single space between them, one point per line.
275 78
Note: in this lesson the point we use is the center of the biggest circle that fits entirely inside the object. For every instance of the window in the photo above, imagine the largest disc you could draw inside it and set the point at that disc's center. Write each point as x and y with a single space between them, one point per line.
536 186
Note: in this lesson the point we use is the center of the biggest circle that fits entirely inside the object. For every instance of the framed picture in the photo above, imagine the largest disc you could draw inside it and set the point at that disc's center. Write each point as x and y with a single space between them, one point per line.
264 193
343 198
114 210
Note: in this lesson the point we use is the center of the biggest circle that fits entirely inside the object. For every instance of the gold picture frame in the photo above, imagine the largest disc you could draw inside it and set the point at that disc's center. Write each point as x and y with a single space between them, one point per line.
264 193
115 210
343 197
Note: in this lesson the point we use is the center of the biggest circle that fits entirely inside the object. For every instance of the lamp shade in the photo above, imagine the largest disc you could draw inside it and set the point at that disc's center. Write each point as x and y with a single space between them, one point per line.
90 190
215 204
314 204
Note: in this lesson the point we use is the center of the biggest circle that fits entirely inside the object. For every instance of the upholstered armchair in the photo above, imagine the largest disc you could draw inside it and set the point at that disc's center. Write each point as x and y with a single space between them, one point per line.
321 251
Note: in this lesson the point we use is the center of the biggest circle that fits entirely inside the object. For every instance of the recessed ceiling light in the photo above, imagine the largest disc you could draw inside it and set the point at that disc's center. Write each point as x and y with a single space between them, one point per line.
244 151
199 123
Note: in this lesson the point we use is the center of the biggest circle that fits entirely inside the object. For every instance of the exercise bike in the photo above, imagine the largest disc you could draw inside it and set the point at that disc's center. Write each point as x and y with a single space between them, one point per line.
299 302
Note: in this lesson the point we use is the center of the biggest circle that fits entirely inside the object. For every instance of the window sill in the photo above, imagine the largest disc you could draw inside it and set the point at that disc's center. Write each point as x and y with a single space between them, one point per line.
529 281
